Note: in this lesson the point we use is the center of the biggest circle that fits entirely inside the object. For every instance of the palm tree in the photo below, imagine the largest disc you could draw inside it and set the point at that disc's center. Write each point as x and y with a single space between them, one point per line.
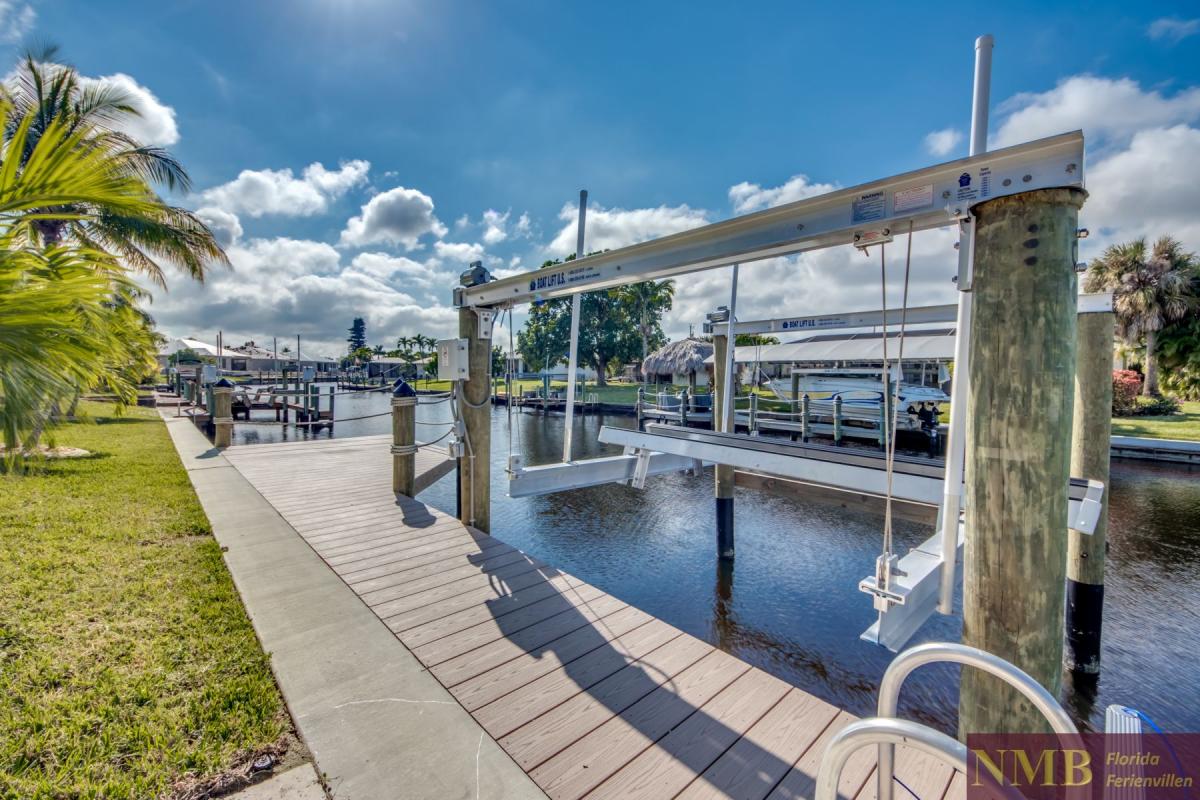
1150 289
646 303
49 94
68 314
402 343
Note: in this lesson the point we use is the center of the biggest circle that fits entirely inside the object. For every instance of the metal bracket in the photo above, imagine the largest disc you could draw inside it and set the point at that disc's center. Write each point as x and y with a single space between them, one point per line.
487 318
643 467
966 253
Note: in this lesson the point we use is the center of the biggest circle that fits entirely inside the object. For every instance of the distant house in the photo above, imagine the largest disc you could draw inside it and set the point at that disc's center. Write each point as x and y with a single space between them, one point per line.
396 367
680 362
248 357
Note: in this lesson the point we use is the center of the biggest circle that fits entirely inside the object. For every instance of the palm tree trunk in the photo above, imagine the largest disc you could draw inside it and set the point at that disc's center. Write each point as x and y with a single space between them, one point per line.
1150 387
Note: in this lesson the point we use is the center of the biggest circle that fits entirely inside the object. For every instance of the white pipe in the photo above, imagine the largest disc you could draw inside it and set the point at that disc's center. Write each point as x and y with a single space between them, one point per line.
730 345
573 353
956 446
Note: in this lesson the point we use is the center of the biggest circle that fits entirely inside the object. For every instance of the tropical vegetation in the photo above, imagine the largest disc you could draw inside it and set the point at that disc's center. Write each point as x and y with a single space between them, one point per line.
79 222
1154 287
616 326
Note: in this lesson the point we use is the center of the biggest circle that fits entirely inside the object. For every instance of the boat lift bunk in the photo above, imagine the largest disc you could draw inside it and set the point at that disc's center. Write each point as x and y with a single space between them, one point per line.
864 216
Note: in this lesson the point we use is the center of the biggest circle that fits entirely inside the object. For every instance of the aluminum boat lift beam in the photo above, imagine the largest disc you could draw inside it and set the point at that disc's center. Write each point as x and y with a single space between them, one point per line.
927 198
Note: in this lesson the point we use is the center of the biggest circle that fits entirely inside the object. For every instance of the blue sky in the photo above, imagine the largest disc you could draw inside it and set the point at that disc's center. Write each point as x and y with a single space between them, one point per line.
440 112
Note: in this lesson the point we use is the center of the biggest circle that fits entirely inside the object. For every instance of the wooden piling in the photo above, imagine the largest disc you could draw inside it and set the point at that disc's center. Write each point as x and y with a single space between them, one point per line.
1020 393
1090 443
404 439
474 468
723 490
221 412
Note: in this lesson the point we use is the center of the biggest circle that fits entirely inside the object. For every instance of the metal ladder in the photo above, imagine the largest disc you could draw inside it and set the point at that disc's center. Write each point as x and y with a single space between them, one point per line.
886 731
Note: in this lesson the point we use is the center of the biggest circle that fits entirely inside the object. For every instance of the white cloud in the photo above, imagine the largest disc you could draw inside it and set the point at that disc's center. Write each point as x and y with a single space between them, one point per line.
155 123
16 20
1109 111
398 216
335 183
495 226
942 142
1173 29
1148 190
269 191
747 197
226 226
524 225
610 228
283 287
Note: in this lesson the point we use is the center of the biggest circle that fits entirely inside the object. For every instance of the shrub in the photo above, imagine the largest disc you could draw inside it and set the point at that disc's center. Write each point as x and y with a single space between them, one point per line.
1127 384
1159 406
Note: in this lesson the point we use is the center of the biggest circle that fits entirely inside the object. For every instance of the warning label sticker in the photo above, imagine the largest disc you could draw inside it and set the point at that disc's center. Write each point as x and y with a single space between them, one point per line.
868 207
913 198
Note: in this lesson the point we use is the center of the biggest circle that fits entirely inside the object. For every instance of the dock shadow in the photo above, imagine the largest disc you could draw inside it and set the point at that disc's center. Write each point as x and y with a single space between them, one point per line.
632 688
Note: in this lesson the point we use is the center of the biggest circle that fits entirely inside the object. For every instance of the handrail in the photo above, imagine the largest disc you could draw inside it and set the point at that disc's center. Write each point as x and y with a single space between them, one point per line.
933 652
886 733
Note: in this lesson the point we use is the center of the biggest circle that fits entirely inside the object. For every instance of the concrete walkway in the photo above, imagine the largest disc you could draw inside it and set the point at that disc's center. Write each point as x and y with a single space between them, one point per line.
378 725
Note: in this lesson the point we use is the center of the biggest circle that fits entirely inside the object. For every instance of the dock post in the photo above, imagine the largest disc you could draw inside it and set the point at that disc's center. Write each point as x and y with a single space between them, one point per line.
332 395
753 427
475 409
404 439
804 429
222 416
795 387
641 402
1090 442
314 402
837 419
723 472
1020 374
683 407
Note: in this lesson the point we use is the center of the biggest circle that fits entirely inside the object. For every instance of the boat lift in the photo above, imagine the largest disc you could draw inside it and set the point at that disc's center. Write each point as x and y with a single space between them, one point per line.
864 216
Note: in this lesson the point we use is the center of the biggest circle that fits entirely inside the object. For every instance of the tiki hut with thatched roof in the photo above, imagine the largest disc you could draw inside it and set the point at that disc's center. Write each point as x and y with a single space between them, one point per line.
679 362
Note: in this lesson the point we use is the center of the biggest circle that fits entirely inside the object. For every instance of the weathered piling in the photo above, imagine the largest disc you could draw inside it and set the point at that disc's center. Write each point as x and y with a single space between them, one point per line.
1090 443
222 413
1020 392
404 439
723 472
474 468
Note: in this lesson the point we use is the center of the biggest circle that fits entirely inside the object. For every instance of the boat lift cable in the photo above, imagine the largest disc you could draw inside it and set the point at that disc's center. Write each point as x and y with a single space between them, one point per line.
884 566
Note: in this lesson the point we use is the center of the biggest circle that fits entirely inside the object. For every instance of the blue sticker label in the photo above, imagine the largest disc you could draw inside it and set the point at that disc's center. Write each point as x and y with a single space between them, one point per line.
964 180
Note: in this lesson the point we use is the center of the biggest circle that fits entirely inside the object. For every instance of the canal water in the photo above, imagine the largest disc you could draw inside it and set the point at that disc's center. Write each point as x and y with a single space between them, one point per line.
790 604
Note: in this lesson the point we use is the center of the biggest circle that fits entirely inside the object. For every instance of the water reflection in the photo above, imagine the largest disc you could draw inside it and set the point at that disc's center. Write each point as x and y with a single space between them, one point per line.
789 603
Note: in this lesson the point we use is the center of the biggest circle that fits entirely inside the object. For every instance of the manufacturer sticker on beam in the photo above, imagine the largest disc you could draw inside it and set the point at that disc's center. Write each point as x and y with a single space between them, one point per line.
913 198
868 208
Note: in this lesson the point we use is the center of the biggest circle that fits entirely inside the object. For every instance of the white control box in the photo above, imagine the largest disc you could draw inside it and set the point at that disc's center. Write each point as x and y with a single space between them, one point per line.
452 360
309 375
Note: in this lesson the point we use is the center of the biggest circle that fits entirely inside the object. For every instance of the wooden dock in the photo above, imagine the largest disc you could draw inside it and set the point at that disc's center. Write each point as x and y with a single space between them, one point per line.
589 695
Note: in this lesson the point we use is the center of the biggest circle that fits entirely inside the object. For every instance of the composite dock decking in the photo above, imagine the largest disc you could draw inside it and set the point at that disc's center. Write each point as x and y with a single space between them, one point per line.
589 695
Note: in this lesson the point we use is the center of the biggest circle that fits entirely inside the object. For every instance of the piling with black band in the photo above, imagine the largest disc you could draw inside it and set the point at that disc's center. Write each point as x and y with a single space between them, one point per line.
1091 434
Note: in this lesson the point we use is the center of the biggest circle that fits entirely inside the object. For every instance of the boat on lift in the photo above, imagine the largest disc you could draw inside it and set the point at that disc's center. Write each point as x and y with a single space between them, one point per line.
860 388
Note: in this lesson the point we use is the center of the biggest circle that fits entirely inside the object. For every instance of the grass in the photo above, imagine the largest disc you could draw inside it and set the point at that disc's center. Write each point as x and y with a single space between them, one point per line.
1184 426
127 661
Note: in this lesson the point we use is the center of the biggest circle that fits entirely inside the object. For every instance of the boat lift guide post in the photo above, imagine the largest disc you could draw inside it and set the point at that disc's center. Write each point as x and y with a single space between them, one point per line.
573 353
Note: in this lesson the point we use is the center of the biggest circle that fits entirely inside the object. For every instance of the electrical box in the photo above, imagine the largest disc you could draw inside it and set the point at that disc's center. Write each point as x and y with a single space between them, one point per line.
452 360
208 374
309 374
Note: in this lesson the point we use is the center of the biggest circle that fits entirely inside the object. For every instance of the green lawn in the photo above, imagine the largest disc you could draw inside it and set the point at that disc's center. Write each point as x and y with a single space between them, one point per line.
1177 426
127 661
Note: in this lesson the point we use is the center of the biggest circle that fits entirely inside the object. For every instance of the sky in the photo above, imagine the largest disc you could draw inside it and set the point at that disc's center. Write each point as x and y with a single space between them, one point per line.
353 156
